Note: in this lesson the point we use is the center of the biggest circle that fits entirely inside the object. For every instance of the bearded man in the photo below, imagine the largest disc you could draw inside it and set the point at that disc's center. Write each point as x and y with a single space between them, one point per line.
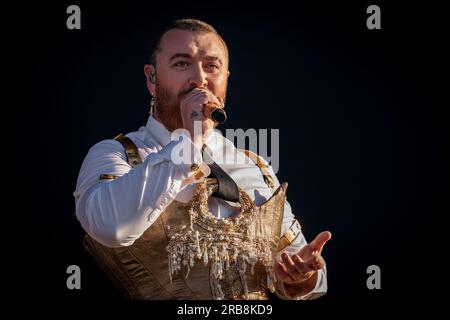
213 223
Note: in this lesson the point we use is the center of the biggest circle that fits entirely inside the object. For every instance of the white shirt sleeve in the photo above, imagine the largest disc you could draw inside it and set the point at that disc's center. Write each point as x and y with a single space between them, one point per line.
299 242
117 212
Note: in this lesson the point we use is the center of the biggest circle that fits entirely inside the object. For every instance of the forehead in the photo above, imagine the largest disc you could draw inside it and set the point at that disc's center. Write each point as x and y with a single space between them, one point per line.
191 42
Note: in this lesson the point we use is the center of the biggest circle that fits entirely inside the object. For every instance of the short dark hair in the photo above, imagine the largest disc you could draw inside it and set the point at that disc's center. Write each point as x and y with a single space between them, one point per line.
184 24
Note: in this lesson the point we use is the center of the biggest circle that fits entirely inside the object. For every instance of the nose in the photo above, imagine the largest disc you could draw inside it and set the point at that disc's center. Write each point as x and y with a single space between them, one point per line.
198 77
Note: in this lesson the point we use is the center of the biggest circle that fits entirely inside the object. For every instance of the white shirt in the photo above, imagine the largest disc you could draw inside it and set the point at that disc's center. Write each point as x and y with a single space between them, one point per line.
117 212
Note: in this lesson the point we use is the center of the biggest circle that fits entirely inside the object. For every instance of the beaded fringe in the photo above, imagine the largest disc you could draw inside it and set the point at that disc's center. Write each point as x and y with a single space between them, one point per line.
225 242
221 251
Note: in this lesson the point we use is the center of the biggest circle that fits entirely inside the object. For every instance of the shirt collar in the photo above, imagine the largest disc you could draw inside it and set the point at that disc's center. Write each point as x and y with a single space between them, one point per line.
163 136
158 131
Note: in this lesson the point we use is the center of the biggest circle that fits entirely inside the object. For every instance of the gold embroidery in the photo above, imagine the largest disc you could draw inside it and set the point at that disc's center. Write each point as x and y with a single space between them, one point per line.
223 243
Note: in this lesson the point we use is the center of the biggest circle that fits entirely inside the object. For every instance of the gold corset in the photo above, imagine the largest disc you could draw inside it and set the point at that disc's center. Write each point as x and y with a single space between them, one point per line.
161 263
235 254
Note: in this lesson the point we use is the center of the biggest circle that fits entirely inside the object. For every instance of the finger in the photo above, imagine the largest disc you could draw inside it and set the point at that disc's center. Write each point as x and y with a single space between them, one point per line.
204 101
282 272
194 92
212 98
190 97
302 271
304 267
198 104
314 263
222 103
318 243
208 100
289 264
300 264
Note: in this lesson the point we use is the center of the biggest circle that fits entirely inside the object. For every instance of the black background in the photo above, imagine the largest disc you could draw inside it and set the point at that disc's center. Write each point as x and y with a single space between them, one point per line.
362 131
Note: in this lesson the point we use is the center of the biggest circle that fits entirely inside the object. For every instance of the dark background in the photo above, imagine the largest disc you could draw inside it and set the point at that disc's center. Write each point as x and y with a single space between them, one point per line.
362 131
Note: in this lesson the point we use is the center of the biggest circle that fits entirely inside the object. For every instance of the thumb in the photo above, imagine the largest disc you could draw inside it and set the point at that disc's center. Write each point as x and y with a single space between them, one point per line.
318 243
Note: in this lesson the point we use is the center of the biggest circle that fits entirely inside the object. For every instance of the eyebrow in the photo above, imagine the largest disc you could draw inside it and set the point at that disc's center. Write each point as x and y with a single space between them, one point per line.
186 55
179 55
214 58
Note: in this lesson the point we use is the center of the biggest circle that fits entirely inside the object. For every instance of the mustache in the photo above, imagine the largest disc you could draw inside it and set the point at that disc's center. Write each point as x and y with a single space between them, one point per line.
185 92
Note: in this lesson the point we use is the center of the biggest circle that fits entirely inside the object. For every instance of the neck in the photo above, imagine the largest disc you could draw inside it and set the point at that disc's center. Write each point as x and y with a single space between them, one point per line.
169 125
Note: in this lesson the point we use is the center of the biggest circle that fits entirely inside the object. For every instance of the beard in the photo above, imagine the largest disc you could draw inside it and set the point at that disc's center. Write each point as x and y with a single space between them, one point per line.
167 105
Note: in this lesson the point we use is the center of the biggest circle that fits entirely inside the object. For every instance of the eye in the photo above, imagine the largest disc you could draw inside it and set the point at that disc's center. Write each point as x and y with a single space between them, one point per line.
213 66
181 64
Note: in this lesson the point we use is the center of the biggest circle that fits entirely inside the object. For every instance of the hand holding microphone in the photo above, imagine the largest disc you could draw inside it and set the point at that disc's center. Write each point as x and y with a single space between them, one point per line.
201 105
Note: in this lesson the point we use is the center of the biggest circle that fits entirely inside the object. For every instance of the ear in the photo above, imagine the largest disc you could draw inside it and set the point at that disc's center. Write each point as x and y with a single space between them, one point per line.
150 75
228 73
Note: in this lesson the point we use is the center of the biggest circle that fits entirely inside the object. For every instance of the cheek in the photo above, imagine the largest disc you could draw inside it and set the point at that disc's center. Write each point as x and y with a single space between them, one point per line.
219 83
168 88
221 78
171 79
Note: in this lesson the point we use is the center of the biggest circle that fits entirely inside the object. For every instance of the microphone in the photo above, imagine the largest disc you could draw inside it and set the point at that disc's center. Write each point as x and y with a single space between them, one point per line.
217 114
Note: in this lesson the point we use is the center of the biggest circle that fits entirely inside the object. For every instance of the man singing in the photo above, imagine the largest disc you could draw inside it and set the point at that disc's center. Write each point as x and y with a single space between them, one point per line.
209 222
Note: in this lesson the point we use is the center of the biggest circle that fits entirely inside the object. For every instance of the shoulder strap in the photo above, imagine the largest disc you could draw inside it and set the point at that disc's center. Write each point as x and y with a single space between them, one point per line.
295 229
258 160
131 150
